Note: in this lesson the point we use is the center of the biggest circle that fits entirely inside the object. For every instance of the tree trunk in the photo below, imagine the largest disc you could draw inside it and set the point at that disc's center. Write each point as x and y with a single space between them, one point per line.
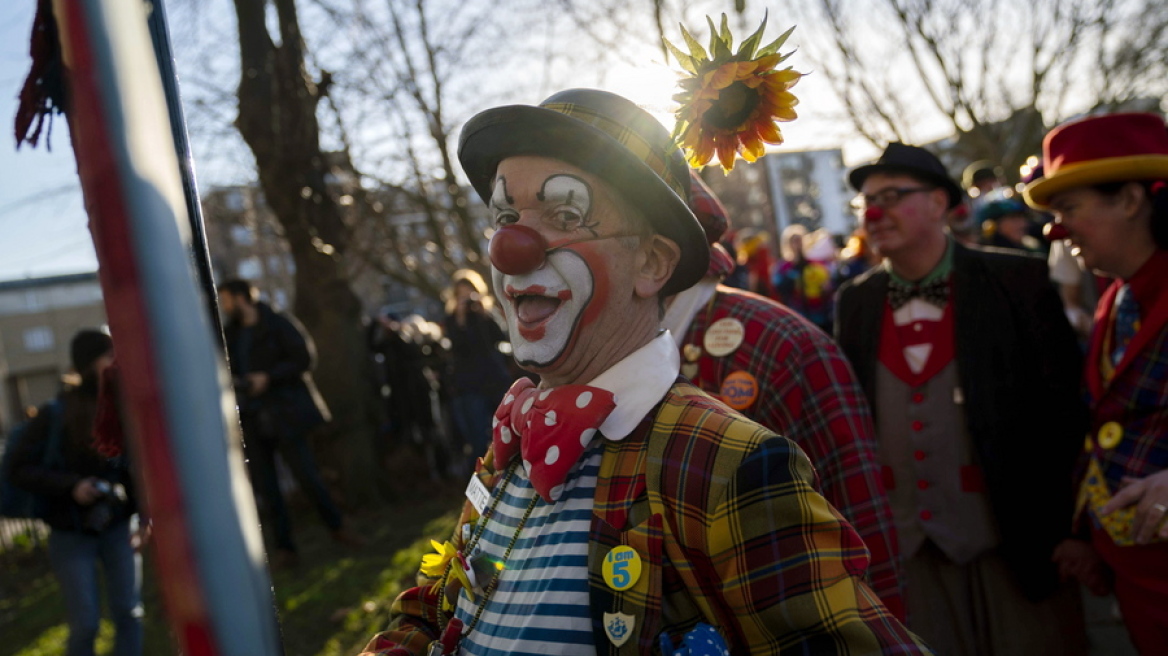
277 119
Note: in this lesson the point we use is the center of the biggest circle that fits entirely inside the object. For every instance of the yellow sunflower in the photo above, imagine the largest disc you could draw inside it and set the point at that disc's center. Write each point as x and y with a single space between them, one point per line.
731 101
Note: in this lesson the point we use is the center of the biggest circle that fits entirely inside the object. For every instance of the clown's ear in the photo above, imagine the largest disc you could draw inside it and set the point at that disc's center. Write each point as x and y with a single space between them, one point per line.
657 257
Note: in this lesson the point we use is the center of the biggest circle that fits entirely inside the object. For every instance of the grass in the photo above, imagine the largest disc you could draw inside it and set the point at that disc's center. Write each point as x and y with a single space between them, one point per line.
330 605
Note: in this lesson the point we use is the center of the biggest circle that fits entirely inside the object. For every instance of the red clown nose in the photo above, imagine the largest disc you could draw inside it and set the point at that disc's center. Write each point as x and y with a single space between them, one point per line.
1055 232
873 214
515 249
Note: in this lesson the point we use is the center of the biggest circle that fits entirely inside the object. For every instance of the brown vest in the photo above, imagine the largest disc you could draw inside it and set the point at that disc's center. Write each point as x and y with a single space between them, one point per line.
934 484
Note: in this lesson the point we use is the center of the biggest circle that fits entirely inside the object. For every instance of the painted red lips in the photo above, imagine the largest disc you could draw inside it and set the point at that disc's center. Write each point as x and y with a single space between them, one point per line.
534 308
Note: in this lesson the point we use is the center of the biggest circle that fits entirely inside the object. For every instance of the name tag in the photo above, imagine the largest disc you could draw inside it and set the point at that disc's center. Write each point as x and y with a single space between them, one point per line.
477 494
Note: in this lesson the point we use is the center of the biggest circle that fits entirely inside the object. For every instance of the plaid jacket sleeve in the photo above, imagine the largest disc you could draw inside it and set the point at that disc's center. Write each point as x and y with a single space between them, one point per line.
413 628
808 393
777 566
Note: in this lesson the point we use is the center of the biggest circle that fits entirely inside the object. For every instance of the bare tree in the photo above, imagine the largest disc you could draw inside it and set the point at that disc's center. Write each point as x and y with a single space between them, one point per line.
277 118
998 73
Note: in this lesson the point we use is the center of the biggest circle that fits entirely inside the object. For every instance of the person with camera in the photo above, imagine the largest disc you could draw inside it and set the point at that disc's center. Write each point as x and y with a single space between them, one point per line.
478 374
89 505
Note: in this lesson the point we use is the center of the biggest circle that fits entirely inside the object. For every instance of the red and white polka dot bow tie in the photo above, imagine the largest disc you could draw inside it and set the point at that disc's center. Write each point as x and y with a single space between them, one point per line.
550 428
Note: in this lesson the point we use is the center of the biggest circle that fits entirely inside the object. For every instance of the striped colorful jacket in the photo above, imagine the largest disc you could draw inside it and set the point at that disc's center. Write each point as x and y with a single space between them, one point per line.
731 532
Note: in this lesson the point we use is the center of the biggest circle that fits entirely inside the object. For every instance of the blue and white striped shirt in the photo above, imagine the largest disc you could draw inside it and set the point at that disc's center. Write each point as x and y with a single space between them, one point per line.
542 596
542 603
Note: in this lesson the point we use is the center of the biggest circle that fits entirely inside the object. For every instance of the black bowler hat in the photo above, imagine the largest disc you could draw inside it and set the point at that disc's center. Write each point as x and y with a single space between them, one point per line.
611 138
910 160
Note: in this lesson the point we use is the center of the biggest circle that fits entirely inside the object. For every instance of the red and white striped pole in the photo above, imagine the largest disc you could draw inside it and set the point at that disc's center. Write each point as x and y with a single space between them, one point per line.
178 401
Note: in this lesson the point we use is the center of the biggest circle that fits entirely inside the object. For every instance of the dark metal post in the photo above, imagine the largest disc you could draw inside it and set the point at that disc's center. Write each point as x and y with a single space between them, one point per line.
160 36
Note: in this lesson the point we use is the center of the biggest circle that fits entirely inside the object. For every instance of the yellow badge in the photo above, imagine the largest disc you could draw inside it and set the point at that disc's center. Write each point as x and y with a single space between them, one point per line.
739 390
622 568
691 352
1110 435
1088 444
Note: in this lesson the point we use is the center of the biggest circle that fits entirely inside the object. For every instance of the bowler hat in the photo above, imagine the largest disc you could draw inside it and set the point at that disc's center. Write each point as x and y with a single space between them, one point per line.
1109 148
978 171
611 138
910 160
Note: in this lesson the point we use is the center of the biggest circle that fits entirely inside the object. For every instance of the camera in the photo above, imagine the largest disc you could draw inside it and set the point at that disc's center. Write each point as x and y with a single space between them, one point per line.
106 509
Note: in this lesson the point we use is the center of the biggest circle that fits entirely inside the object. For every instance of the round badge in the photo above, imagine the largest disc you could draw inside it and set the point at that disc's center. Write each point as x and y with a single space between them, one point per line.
622 568
1110 434
739 390
724 337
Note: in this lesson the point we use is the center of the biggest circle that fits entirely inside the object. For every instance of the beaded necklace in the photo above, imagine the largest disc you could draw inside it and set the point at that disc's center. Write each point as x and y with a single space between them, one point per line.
473 542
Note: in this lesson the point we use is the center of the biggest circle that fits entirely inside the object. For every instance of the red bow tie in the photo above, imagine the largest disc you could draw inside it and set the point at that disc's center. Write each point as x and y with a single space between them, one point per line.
551 428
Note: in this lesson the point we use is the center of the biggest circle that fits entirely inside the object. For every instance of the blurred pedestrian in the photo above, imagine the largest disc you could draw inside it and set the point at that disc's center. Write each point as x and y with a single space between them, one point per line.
412 363
1105 183
90 506
856 258
971 369
1006 224
801 284
984 182
754 255
478 371
271 360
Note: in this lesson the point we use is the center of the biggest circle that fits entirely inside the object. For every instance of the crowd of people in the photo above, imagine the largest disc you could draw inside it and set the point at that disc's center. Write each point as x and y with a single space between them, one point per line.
811 266
926 442
941 453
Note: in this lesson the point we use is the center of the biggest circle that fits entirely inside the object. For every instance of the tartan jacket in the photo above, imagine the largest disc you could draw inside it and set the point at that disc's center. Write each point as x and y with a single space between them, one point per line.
1019 366
1136 397
731 533
808 393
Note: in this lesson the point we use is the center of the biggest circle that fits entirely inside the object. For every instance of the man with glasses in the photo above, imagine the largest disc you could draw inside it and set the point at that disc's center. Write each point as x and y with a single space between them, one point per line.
971 370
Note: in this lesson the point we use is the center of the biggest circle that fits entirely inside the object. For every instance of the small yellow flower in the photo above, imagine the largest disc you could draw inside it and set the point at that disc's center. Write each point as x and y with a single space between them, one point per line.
434 565
731 102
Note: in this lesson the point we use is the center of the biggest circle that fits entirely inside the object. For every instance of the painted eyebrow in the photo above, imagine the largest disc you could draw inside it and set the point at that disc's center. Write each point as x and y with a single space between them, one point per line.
501 181
587 200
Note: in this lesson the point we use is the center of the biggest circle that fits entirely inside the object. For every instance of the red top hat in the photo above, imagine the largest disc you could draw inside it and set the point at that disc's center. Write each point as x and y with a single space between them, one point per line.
1109 148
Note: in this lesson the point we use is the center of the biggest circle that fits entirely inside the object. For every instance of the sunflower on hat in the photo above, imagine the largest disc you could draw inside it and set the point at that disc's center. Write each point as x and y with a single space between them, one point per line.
731 102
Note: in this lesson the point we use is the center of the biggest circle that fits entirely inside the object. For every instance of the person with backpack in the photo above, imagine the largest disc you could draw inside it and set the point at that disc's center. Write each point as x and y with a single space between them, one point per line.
88 501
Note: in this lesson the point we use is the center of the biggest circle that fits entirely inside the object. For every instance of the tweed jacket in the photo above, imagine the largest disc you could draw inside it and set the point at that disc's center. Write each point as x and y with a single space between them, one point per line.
731 533
808 393
1018 365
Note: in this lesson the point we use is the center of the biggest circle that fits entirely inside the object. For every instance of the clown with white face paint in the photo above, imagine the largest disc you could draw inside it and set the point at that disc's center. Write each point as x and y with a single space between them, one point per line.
570 522
544 306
